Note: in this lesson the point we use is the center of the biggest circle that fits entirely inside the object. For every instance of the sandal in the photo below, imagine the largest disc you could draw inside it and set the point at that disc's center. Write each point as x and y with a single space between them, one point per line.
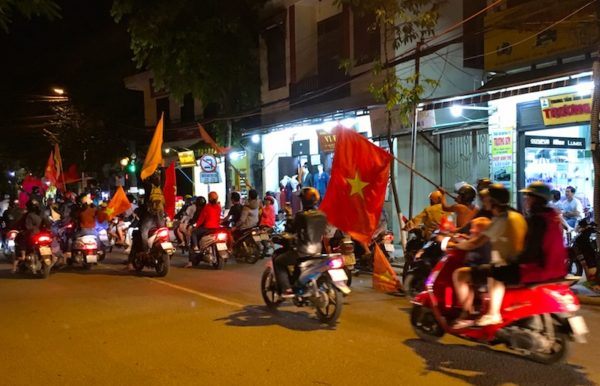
488 320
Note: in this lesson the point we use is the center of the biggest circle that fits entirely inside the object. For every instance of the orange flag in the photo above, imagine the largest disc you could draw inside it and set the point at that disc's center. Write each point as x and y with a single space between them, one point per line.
118 204
208 139
154 154
50 172
384 276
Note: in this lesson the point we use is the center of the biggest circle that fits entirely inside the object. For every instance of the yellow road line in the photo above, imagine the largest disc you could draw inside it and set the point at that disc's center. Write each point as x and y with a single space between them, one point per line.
197 293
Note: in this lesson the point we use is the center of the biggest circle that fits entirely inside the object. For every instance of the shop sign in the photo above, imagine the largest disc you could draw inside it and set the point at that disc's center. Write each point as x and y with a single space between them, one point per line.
209 178
326 141
502 155
186 158
555 142
513 37
568 108
208 163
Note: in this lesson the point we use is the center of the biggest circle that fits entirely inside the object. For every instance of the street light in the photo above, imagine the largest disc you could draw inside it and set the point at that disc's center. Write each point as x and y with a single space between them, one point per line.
58 91
124 161
255 138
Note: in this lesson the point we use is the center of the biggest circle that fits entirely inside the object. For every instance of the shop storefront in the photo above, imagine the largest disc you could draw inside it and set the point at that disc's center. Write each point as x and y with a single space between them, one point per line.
544 136
286 150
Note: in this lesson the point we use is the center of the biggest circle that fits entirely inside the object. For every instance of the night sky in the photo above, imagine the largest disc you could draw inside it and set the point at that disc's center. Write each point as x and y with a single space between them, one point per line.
85 52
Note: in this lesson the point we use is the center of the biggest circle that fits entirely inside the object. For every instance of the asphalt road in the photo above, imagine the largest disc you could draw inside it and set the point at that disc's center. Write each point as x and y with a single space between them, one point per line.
200 326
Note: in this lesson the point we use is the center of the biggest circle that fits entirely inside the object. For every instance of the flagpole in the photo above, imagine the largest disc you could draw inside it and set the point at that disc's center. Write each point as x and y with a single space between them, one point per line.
421 175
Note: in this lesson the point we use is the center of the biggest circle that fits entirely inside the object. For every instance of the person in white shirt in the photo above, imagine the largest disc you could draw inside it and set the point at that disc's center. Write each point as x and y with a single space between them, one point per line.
572 209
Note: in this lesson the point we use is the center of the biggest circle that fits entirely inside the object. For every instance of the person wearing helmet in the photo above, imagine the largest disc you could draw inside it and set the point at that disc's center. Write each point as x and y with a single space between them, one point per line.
185 216
31 224
506 233
430 217
250 214
309 227
208 221
464 208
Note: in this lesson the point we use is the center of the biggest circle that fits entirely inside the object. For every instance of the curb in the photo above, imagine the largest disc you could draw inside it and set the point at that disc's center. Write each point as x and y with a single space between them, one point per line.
589 300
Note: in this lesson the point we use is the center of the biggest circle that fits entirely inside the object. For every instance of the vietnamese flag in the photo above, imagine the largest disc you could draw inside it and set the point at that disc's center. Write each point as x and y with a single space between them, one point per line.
384 276
118 204
356 190
170 191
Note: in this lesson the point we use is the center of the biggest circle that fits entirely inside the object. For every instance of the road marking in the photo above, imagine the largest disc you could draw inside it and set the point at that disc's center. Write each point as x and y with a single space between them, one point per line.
188 290
197 293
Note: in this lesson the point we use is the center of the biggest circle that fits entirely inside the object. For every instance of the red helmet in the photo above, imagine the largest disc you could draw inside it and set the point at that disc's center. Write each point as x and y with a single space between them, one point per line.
310 197
213 197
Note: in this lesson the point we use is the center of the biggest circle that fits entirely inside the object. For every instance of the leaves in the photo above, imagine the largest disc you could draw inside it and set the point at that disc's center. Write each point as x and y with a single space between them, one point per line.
28 9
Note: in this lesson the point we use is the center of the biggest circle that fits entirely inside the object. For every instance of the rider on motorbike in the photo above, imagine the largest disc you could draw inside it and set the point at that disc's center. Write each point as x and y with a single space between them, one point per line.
235 211
31 224
249 217
309 227
209 220
430 217
464 208
507 236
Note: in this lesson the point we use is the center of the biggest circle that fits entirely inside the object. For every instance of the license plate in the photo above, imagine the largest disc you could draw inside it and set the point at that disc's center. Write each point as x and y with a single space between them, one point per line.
166 245
11 243
390 248
338 275
578 325
349 259
221 247
256 237
90 259
264 236
44 251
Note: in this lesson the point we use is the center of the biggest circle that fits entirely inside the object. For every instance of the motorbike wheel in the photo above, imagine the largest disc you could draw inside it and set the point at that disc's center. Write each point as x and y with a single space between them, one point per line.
424 324
330 309
218 262
87 266
162 268
253 253
574 267
558 353
46 271
413 285
268 289
138 264
349 274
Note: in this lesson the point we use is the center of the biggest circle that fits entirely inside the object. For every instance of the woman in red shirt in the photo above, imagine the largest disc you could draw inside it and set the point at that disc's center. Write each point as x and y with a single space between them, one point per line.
267 217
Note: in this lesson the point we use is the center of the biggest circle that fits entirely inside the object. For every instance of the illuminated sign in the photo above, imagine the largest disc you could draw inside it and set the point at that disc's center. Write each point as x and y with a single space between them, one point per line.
568 108
555 142
186 158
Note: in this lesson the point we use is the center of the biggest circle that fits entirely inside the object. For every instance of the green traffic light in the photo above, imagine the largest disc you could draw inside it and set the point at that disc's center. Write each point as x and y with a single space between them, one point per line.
131 168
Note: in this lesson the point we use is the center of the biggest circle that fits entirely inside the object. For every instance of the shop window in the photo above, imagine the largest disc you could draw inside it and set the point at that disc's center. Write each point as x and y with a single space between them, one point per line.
367 40
330 50
187 109
162 105
275 41
473 33
300 148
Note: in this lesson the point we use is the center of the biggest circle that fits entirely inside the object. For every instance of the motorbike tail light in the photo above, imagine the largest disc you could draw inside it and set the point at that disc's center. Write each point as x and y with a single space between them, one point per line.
163 233
69 226
389 238
348 247
222 236
12 235
89 246
44 239
336 263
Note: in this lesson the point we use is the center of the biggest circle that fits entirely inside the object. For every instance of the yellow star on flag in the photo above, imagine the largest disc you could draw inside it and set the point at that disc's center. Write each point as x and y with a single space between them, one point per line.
357 185
110 211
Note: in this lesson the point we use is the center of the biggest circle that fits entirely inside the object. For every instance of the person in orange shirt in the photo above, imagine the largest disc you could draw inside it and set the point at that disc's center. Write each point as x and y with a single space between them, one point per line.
209 220
464 208
267 218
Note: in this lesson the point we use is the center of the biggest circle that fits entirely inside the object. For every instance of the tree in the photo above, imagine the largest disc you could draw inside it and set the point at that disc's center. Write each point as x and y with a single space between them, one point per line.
403 23
207 48
28 9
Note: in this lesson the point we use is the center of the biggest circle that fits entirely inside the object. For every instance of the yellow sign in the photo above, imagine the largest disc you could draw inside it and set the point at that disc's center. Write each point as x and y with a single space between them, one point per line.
566 108
186 158
520 35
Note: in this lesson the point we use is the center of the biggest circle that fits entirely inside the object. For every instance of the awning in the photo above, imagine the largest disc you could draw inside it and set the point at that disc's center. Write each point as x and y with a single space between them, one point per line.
526 82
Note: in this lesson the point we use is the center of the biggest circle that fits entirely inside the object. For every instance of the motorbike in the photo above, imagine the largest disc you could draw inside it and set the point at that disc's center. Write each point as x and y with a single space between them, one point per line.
249 246
213 249
538 320
385 242
319 281
582 249
40 260
343 245
160 250
418 267
84 252
8 244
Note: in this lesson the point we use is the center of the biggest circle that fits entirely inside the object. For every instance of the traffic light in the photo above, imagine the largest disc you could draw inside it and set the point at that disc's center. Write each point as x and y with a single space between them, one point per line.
131 167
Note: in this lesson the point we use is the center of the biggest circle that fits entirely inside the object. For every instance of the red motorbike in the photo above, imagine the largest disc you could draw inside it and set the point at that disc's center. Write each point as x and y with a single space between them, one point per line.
539 320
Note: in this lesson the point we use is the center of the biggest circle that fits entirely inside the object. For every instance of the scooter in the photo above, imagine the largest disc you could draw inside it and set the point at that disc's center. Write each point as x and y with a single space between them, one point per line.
583 253
40 260
248 247
85 252
160 250
213 249
319 281
418 266
538 320
8 244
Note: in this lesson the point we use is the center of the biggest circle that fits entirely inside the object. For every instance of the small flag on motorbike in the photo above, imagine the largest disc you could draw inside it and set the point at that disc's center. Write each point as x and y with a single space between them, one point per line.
384 276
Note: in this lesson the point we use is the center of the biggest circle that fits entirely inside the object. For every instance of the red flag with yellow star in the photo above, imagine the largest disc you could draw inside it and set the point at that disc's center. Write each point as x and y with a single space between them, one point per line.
356 190
118 204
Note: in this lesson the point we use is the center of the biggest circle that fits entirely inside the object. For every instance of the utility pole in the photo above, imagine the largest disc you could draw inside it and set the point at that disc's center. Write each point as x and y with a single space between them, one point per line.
595 146
413 143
